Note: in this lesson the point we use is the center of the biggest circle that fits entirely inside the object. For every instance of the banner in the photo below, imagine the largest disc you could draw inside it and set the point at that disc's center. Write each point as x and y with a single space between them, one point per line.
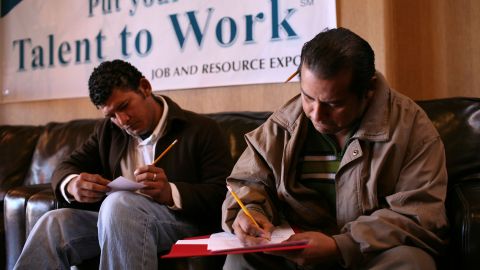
50 47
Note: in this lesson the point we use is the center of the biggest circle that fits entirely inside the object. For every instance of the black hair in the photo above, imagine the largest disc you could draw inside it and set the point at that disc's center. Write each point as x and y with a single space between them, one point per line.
335 50
109 75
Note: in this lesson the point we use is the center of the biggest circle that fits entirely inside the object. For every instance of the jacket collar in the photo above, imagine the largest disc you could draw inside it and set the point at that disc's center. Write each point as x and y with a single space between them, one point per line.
175 113
374 124
290 115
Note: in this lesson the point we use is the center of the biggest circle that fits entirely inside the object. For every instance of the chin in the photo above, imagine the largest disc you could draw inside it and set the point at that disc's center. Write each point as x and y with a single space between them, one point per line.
326 130
133 132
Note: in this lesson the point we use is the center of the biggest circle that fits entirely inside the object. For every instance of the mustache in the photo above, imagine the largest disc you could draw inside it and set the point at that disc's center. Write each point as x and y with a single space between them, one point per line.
118 124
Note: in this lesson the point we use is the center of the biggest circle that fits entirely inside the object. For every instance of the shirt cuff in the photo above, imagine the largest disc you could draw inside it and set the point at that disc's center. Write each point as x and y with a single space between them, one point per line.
63 187
177 200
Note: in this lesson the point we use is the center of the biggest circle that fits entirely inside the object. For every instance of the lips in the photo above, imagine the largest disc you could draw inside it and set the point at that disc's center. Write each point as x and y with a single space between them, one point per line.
130 127
324 128
320 126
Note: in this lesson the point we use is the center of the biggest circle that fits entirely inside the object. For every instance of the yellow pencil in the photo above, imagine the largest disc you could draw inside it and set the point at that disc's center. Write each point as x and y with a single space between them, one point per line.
245 210
292 76
164 152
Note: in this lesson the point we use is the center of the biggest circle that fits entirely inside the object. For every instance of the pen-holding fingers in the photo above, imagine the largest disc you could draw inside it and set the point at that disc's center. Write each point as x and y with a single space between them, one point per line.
146 169
264 223
141 169
246 238
150 173
248 232
266 227
160 191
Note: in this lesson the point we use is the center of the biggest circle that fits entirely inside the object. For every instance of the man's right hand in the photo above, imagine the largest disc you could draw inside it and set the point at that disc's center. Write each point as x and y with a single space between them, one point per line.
248 232
88 188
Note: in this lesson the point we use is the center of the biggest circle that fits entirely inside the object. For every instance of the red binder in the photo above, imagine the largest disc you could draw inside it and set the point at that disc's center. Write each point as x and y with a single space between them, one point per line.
192 250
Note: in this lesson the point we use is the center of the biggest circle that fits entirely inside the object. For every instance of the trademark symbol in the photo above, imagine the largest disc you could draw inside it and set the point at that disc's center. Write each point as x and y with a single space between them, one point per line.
304 3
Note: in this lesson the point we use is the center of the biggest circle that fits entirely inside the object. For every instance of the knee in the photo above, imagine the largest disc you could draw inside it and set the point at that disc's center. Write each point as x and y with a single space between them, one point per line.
53 221
55 217
418 258
403 257
114 204
118 206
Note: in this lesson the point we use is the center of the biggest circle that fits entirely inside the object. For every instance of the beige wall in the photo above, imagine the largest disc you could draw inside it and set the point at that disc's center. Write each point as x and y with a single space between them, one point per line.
239 98
426 48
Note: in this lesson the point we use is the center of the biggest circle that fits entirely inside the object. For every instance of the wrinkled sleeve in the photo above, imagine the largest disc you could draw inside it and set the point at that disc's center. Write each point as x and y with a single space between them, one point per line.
413 215
253 179
86 158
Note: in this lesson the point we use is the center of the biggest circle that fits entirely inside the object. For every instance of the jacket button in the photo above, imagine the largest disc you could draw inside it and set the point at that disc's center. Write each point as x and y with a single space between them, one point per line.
355 152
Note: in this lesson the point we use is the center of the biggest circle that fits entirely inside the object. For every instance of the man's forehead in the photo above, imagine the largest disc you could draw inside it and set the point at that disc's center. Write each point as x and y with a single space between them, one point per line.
117 97
322 74
311 84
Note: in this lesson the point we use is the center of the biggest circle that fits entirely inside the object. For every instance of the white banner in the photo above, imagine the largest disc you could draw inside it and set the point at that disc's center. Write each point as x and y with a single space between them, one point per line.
50 47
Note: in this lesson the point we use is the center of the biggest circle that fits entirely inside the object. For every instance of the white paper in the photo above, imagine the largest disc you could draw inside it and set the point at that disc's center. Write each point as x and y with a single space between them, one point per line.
224 240
201 241
121 183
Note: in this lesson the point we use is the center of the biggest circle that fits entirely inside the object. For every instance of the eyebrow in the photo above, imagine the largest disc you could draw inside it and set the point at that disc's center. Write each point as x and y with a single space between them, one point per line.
110 113
325 101
303 92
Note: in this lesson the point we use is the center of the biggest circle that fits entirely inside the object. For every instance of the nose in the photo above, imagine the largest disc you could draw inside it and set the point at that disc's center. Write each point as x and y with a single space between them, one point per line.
122 118
318 112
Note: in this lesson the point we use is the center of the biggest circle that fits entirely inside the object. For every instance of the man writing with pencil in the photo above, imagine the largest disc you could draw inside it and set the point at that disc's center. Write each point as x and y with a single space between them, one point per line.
358 168
180 157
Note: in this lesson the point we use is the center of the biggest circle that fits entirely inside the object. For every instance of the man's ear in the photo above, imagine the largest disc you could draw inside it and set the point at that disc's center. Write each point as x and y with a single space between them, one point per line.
145 87
371 87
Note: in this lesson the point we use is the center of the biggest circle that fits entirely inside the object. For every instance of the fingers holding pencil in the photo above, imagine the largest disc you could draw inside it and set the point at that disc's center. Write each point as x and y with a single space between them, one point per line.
251 227
244 209
155 180
151 172
249 233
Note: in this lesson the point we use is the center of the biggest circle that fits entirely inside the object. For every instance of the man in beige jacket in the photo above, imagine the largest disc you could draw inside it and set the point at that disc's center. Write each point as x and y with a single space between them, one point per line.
358 168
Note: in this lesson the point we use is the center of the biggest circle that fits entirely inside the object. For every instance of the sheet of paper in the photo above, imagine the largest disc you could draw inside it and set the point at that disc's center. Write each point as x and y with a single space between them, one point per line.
203 241
224 240
122 183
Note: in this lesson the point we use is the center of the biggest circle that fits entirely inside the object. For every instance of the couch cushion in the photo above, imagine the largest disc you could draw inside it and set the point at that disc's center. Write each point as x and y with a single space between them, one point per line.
458 122
16 148
60 139
57 141
235 125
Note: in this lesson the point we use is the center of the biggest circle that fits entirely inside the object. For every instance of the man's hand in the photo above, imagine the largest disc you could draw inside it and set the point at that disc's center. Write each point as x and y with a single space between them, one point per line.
88 188
156 184
248 232
322 249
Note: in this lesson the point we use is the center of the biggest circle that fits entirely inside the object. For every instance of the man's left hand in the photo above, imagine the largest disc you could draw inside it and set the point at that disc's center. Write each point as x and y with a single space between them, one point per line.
156 184
321 249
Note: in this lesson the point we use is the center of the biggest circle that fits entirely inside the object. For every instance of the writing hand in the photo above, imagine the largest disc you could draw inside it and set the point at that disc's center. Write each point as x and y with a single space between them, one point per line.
88 188
248 232
322 249
156 184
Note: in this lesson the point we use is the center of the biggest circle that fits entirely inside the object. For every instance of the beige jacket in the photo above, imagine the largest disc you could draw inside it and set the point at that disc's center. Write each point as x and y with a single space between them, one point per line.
391 183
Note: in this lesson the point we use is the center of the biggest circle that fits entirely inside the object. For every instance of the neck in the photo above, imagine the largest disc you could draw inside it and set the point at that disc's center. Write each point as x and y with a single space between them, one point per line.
158 110
156 107
341 138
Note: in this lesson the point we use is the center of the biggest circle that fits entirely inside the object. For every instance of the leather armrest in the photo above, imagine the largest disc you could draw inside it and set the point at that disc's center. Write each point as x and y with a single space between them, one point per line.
464 214
14 219
38 204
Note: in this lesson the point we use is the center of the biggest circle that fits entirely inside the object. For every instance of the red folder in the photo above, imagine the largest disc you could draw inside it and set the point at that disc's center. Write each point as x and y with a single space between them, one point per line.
189 250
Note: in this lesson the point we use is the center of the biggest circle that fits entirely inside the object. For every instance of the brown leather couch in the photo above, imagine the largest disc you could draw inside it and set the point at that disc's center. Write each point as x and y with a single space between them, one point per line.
28 155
